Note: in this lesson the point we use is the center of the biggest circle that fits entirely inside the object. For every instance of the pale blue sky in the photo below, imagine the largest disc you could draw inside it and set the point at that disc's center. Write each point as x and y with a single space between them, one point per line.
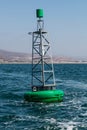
65 21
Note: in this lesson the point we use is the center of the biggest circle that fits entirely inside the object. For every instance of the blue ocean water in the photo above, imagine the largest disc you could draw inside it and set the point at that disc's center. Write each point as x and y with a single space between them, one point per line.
16 114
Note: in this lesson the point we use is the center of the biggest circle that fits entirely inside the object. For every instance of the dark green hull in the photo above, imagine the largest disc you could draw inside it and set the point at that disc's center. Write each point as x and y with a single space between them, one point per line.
46 96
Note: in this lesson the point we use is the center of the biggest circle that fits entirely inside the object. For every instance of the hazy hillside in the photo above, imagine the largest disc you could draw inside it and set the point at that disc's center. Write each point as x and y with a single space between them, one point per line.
6 56
14 57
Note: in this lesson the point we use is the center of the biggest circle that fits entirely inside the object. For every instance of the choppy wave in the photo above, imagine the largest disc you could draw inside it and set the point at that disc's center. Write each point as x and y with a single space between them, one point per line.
16 114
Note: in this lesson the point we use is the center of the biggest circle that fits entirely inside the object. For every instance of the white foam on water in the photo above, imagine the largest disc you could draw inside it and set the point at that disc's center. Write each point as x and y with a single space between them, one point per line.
51 120
84 114
32 118
75 84
68 125
62 125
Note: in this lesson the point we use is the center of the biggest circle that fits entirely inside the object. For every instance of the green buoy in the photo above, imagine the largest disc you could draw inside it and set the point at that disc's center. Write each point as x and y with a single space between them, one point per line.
43 80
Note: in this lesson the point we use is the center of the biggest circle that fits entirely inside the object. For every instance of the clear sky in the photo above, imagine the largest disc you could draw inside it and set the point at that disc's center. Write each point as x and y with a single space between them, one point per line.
65 21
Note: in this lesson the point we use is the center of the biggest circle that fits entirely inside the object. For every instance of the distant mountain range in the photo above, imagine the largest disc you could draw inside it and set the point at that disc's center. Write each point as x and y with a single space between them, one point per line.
14 57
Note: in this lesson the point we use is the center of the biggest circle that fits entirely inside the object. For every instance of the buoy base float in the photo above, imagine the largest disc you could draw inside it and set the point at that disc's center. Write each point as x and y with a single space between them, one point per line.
46 96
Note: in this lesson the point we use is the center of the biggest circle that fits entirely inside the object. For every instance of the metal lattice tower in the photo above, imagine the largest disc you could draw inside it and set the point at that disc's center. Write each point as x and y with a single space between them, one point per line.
42 65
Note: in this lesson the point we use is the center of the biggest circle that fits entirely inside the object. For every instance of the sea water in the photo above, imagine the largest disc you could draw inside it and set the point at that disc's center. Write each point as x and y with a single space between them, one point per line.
16 114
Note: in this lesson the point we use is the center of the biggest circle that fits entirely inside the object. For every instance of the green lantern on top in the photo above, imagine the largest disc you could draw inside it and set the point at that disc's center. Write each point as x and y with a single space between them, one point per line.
39 13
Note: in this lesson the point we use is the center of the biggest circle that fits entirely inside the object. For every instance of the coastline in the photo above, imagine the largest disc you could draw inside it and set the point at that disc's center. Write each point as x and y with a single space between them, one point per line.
7 57
49 63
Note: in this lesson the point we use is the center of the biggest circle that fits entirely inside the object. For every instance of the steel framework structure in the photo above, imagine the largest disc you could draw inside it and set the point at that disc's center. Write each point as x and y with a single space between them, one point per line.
42 64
